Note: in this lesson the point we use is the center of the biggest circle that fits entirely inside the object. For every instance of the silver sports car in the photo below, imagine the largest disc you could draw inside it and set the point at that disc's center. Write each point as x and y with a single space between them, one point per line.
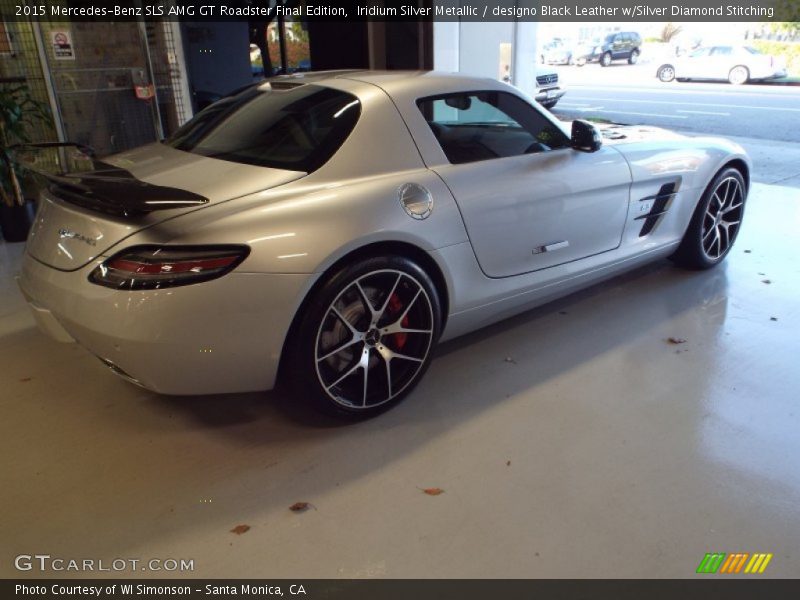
328 229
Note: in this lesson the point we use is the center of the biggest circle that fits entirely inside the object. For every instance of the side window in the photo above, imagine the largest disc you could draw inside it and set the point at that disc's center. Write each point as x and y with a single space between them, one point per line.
474 126
721 51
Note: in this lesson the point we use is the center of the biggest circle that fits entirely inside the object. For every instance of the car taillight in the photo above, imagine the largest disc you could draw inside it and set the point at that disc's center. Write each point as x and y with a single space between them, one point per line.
154 267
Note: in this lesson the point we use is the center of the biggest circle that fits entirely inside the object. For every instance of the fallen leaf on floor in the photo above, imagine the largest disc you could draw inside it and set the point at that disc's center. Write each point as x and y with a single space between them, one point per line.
767 281
240 529
773 318
747 251
508 359
433 491
563 312
299 507
508 463
676 340
25 379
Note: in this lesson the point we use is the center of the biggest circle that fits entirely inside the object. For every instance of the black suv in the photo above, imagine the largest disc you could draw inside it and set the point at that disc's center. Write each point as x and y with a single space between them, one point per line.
623 45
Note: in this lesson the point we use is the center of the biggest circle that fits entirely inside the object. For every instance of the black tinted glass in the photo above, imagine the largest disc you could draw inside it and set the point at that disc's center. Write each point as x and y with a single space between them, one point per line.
475 126
297 129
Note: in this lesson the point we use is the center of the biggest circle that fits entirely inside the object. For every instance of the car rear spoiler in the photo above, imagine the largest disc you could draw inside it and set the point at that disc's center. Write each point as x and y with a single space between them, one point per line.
103 187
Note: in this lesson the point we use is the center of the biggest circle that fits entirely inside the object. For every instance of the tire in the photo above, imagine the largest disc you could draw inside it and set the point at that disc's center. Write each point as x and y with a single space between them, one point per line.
739 75
549 104
666 73
581 61
605 59
352 360
715 223
633 58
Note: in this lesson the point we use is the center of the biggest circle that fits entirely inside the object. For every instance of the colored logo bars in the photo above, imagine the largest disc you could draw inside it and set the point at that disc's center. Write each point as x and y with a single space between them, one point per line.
720 562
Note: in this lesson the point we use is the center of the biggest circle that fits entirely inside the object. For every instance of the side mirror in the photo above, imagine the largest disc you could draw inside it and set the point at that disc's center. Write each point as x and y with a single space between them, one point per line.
585 137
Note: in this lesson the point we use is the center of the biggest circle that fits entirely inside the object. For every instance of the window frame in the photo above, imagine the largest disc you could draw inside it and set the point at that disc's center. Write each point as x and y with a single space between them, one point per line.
474 92
182 139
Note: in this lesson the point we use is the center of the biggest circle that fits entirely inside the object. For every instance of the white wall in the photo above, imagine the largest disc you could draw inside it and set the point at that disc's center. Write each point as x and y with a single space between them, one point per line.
445 46
475 49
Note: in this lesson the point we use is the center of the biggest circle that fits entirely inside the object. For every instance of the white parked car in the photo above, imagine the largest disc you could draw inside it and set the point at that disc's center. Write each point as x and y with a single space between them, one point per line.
737 64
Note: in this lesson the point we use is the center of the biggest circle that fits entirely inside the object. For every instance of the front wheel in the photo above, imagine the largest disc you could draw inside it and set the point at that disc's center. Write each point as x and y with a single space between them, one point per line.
366 337
633 58
715 223
738 75
666 73
605 59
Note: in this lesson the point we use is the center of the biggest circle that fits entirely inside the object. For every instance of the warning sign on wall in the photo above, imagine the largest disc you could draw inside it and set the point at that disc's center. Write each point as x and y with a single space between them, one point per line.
62 44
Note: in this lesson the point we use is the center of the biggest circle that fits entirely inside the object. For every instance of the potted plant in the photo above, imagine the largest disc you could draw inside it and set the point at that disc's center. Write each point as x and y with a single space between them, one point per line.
18 112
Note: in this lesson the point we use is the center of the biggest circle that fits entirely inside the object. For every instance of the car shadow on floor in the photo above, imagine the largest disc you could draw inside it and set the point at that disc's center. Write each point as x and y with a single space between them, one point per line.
574 329
114 450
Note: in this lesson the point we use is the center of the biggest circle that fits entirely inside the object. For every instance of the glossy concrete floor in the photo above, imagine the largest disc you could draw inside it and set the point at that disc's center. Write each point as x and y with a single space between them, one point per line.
571 441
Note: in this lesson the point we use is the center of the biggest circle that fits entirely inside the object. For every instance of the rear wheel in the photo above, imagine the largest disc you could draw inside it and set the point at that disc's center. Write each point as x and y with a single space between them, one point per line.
605 59
715 223
633 58
666 73
366 337
739 75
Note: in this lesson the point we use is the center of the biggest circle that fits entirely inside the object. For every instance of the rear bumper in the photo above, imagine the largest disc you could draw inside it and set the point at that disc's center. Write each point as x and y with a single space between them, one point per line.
220 336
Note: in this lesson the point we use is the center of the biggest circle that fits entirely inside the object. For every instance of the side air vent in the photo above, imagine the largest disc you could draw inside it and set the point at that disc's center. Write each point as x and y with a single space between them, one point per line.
659 208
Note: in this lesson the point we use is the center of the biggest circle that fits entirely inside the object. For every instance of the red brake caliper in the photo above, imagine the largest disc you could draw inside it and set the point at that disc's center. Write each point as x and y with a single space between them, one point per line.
396 306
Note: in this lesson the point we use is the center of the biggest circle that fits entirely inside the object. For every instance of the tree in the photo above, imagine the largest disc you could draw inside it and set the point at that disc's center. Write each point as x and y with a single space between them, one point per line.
784 29
669 31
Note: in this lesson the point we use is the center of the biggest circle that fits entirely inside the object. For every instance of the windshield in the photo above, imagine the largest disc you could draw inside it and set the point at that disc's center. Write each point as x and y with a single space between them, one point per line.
298 129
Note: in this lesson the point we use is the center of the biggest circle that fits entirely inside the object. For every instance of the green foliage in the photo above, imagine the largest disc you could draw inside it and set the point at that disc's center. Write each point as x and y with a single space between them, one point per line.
789 28
789 51
18 112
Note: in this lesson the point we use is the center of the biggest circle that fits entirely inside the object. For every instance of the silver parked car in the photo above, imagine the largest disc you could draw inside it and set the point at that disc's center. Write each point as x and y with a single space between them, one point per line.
736 64
331 228
549 88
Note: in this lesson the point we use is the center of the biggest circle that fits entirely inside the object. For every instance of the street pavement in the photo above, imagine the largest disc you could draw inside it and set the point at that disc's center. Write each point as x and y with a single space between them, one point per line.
763 118
627 94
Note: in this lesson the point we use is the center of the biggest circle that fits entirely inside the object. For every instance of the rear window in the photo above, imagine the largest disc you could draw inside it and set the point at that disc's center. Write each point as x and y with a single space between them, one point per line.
298 129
